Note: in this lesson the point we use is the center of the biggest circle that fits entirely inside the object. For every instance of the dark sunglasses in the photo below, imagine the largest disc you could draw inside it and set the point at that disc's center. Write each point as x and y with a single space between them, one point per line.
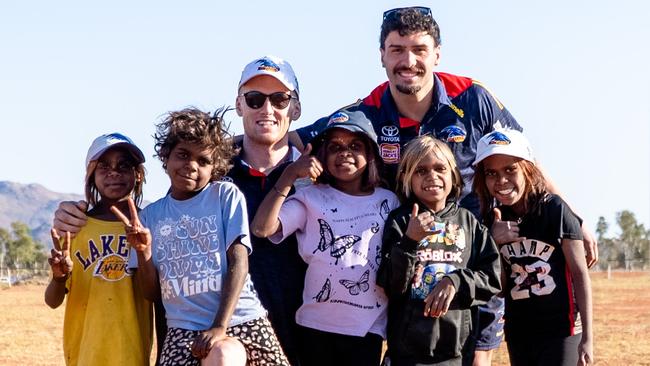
256 100
420 9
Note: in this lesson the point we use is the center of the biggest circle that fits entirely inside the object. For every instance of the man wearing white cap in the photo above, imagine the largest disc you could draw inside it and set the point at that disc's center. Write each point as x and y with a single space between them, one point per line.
267 100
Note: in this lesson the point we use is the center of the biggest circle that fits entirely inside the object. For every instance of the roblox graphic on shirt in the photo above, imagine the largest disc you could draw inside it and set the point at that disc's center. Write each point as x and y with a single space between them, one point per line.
426 278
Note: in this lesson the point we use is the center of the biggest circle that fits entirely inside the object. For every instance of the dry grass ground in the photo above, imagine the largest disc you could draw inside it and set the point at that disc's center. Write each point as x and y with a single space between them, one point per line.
31 332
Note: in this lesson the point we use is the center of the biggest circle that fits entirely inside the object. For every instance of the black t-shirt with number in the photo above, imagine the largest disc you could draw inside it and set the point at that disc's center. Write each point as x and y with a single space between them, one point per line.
539 292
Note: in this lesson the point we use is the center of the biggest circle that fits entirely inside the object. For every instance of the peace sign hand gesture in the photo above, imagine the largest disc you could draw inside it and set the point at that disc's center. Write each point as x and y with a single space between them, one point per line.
60 256
137 235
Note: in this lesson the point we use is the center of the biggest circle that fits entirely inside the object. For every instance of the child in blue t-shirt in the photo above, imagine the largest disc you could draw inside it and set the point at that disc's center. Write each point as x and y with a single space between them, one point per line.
192 247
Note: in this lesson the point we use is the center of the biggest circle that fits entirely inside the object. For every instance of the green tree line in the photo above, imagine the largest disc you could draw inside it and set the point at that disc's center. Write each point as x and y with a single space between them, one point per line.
630 249
18 250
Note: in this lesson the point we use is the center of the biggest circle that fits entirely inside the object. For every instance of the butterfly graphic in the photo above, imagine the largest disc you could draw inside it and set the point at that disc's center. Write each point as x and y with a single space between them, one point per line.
384 210
324 293
337 246
374 227
356 287
334 209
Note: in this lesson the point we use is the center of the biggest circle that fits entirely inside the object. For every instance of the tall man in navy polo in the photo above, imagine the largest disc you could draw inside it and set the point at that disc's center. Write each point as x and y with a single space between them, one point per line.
268 100
416 100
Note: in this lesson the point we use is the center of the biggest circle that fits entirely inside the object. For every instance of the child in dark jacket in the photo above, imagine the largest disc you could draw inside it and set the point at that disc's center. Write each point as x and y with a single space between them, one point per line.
438 262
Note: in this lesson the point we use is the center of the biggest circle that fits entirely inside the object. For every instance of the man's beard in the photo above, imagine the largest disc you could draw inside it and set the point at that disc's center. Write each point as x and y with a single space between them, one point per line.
408 90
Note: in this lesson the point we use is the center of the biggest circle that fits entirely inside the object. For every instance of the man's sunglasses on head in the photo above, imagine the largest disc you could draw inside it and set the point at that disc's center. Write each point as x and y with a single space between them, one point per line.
256 100
421 9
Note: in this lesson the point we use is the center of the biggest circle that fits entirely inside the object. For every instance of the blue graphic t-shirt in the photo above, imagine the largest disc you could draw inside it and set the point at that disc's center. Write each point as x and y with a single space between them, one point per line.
190 240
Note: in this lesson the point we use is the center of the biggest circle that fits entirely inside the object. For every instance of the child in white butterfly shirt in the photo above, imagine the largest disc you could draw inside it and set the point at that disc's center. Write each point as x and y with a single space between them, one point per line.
338 223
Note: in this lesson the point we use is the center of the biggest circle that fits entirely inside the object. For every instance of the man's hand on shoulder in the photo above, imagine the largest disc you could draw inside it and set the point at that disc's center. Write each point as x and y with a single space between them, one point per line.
70 216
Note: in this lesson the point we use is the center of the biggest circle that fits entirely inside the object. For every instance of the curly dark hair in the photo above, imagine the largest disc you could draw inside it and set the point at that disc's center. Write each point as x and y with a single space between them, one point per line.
409 21
201 128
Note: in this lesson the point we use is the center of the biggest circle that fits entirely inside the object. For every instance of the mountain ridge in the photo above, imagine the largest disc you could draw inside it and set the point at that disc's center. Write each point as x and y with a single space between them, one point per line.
32 204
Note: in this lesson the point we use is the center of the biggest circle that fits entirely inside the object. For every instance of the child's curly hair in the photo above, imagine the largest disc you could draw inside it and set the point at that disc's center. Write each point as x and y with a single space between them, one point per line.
201 128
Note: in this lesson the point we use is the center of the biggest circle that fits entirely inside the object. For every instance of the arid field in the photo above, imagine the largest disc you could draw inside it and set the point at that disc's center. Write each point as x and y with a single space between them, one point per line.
31 332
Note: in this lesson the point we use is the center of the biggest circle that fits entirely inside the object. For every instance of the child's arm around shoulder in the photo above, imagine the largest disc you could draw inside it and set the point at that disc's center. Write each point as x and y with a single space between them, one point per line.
61 265
266 222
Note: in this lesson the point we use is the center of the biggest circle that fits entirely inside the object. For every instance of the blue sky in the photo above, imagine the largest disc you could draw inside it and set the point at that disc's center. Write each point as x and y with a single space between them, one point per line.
574 74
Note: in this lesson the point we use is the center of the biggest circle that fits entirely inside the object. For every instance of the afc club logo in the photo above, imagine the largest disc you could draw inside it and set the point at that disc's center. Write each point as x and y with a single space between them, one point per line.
498 138
453 134
338 117
267 65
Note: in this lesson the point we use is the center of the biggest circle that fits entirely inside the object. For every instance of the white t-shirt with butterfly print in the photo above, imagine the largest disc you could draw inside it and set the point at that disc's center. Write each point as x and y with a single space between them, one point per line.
339 237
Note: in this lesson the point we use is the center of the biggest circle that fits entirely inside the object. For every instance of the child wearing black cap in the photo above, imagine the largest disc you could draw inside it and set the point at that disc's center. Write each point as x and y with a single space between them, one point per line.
338 223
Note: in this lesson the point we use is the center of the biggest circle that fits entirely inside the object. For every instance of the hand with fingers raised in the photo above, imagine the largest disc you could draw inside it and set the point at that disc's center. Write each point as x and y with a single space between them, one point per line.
59 260
504 232
138 236
420 225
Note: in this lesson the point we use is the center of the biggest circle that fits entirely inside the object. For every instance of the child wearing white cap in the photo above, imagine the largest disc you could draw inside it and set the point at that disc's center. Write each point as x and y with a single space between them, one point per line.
107 319
545 277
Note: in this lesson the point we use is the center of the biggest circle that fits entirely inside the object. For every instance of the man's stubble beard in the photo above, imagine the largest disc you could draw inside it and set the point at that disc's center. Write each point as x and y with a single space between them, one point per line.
408 90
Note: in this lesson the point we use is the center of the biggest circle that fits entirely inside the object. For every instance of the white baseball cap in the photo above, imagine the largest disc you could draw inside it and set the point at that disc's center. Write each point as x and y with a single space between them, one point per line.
105 142
272 66
506 142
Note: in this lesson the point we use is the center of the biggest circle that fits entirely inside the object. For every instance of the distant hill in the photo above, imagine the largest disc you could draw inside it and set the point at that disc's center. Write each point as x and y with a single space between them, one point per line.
32 204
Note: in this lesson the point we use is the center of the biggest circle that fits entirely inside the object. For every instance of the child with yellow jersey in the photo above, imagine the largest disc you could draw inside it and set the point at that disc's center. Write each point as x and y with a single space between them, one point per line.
107 319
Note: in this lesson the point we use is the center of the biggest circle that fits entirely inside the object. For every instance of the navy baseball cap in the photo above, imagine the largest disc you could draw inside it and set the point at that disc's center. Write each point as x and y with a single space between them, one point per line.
353 121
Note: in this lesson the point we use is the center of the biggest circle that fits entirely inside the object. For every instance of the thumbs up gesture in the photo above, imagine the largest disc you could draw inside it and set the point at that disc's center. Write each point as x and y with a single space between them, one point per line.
307 166
419 225
504 232
59 260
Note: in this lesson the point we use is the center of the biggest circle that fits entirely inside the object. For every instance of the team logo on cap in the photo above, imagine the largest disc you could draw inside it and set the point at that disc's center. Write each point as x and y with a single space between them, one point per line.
338 117
117 136
453 134
267 65
498 138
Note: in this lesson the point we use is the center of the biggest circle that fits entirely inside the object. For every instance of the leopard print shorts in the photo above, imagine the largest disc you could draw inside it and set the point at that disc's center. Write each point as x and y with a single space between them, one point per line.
257 336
